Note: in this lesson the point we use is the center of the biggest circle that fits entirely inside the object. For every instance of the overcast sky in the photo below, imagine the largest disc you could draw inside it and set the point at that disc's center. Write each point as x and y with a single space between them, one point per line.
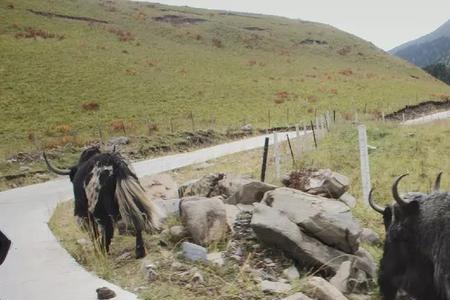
386 23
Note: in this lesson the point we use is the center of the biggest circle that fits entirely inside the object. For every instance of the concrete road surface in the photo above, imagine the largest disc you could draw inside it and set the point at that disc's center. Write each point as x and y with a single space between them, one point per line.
37 267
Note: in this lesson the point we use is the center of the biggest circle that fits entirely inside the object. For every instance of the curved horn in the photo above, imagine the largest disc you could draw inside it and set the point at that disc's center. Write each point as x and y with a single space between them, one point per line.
375 206
53 169
395 193
437 183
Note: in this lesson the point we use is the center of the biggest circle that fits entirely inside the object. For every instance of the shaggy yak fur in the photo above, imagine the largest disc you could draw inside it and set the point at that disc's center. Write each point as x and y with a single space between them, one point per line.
416 256
106 190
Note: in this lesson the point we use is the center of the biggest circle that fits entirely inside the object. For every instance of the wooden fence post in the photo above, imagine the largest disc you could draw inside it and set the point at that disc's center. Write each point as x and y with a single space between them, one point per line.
314 134
290 148
264 161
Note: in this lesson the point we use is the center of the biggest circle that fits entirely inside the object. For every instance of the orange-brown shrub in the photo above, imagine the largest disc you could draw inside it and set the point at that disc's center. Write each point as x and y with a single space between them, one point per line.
217 43
90 106
31 32
63 128
346 72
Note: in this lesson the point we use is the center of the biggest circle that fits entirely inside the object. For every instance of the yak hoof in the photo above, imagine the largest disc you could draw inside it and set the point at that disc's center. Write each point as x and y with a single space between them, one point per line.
140 253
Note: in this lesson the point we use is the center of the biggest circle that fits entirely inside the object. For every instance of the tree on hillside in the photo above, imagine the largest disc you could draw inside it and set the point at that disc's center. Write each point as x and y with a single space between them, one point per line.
440 71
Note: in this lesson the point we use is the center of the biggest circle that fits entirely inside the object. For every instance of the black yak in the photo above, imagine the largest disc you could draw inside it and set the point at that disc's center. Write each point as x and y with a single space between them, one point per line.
5 243
417 245
107 190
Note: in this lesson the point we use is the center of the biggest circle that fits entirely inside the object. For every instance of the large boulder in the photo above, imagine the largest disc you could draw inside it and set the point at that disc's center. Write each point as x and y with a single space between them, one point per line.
203 187
322 182
160 186
250 192
204 218
274 228
230 184
328 220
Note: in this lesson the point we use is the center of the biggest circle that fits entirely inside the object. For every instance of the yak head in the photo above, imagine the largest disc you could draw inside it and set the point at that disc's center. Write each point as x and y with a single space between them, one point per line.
404 209
84 157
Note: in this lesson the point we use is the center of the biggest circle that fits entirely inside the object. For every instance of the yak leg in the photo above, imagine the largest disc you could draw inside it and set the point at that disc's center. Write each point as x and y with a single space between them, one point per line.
387 289
140 249
108 233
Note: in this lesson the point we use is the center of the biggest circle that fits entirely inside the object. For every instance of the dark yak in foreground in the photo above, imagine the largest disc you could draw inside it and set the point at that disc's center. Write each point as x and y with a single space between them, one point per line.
106 190
416 256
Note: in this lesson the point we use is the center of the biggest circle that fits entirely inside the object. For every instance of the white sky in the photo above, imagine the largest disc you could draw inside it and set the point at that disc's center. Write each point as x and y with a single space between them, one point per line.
386 23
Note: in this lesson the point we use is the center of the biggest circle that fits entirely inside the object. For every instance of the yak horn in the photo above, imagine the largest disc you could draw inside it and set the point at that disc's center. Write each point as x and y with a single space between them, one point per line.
437 183
375 206
53 169
395 193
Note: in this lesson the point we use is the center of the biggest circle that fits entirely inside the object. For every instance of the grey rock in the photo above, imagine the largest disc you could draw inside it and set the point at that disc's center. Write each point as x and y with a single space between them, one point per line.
297 296
369 236
177 232
250 192
169 207
328 220
216 258
322 182
246 207
274 287
319 288
125 256
229 184
232 212
148 267
274 228
159 186
291 273
194 252
204 218
198 277
348 199
247 128
118 141
359 297
364 261
105 293
204 187
342 277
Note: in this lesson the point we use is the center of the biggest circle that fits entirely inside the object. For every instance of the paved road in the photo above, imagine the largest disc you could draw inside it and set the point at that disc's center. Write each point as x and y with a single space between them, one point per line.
429 118
37 267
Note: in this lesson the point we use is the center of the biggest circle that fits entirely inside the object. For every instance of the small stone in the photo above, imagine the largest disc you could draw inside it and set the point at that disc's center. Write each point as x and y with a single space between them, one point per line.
348 199
291 273
369 236
194 252
105 293
247 128
119 140
177 232
274 287
216 258
124 256
297 296
319 288
197 278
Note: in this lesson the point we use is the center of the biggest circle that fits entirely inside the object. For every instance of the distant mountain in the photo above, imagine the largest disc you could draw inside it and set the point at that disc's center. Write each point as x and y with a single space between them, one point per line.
430 49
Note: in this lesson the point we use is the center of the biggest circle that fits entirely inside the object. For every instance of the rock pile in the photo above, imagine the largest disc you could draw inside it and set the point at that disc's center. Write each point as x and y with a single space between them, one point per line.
303 225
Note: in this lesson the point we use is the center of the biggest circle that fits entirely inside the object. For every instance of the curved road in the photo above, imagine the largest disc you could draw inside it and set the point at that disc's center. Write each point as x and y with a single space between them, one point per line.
37 267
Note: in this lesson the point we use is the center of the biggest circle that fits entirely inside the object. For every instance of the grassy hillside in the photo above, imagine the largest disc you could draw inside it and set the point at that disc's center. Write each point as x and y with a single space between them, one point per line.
63 77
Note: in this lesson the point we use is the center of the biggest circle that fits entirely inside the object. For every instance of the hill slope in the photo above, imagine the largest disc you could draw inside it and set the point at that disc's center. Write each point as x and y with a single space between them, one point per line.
70 66
430 49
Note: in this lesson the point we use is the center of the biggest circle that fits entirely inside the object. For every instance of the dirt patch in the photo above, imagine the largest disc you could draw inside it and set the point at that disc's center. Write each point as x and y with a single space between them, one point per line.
178 20
254 28
415 111
313 42
51 15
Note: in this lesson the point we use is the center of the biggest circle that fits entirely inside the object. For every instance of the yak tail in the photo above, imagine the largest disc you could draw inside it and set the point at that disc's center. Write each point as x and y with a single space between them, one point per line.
135 207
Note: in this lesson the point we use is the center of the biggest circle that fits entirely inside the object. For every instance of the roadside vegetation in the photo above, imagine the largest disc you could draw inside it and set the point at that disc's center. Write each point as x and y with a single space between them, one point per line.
419 150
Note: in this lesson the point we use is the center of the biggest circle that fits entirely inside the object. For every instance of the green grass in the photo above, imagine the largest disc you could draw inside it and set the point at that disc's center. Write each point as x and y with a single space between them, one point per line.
168 71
